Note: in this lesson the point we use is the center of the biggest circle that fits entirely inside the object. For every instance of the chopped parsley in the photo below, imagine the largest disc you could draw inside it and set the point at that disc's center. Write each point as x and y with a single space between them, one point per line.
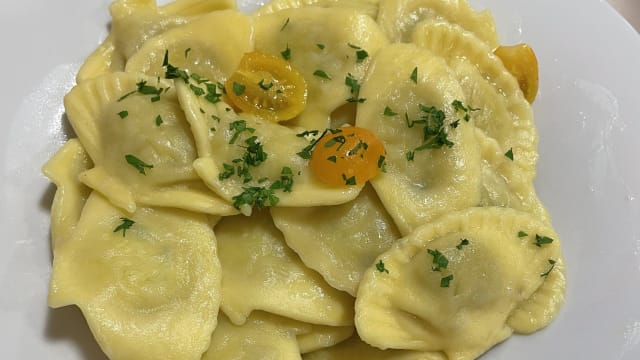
463 242
137 164
239 126
380 267
522 234
410 155
434 131
320 46
414 75
255 196
126 224
196 90
159 120
509 154
542 240
352 83
321 74
145 89
349 180
459 106
264 86
389 112
306 152
123 114
445 281
286 180
238 88
382 165
553 264
336 140
333 158
286 53
439 260
186 52
285 24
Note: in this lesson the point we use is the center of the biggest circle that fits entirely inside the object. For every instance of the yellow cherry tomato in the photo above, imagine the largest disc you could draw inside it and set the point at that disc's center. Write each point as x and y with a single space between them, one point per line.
267 86
522 63
347 156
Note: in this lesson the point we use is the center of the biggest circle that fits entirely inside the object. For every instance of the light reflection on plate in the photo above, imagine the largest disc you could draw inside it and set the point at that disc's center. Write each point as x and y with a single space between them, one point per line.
587 112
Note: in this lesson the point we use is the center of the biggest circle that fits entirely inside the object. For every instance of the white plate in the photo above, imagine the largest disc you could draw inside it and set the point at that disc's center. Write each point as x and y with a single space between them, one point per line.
587 111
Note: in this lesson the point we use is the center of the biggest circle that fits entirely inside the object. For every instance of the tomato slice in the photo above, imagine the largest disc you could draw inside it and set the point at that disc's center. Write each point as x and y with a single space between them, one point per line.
520 60
267 86
347 156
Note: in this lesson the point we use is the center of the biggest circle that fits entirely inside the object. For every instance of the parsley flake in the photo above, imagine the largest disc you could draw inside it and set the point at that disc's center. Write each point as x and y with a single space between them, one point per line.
389 112
159 120
414 75
186 52
320 46
349 181
285 24
239 126
463 242
238 88
137 164
542 240
553 264
509 154
380 267
439 260
123 114
321 74
264 86
286 53
126 224
522 234
445 281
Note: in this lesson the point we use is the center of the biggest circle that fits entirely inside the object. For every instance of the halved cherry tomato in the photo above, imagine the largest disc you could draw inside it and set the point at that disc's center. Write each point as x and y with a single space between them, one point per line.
522 63
347 156
267 86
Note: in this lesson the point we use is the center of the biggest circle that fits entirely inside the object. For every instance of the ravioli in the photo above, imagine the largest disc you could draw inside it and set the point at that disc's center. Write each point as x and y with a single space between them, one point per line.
262 336
366 7
452 284
434 181
225 140
505 114
63 170
202 47
354 348
261 273
150 290
135 132
399 17
319 337
340 242
326 45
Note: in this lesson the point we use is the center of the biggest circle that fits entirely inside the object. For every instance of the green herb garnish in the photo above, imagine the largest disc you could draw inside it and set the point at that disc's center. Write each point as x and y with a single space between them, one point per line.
380 267
137 163
126 224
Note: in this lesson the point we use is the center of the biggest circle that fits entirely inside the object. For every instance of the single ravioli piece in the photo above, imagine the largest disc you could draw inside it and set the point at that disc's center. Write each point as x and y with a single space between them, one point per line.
320 337
453 284
63 170
148 283
503 112
432 167
503 182
340 242
263 336
134 22
330 47
253 162
261 273
366 7
206 47
135 132
397 18
354 348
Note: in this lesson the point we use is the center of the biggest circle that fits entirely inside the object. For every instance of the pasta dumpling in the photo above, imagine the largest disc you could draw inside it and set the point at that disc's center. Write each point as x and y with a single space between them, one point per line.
354 348
140 156
63 170
422 181
241 156
261 273
399 17
340 242
148 284
452 284
327 46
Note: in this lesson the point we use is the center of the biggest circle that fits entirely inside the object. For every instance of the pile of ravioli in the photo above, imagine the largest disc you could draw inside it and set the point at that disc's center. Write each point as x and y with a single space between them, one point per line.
438 257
